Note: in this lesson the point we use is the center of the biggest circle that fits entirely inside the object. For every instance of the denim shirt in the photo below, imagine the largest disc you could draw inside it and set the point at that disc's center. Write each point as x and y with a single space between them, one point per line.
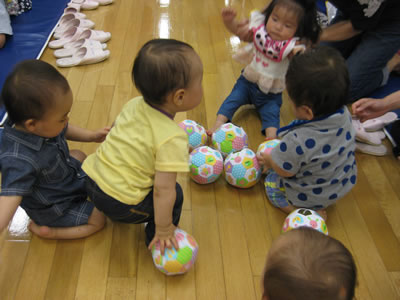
42 171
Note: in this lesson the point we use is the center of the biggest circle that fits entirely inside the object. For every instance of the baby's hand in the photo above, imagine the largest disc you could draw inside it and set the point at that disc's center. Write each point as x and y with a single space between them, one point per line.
100 134
166 237
228 15
263 161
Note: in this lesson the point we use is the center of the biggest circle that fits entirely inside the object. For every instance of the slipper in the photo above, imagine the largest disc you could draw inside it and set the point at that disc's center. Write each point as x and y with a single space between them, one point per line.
380 122
74 5
71 35
75 12
82 23
65 52
87 4
83 56
380 150
372 138
104 2
97 35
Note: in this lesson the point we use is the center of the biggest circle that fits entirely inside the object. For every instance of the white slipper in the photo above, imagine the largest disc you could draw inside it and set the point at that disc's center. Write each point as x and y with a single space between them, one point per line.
71 35
74 5
380 122
104 2
97 35
65 52
82 23
89 5
372 138
380 150
75 11
83 56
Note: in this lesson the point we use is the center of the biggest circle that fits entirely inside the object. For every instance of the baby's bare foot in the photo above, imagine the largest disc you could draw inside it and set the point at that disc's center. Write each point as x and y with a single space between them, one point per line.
42 231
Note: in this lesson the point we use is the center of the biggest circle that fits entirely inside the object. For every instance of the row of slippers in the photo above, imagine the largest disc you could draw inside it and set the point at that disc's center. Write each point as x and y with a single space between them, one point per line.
369 134
75 40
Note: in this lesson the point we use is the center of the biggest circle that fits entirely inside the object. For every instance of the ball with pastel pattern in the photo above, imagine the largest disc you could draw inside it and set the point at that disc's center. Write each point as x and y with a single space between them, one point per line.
229 138
242 169
206 164
197 135
305 217
176 262
267 146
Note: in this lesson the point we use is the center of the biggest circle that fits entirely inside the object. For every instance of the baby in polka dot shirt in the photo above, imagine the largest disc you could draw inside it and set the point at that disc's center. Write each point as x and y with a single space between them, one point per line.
314 165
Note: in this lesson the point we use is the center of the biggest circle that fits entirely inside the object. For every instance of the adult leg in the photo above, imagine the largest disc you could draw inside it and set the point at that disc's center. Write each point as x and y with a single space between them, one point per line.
368 62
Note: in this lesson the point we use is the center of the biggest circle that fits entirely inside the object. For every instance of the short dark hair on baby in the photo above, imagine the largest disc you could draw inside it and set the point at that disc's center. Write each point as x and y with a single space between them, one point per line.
162 66
319 79
309 265
31 89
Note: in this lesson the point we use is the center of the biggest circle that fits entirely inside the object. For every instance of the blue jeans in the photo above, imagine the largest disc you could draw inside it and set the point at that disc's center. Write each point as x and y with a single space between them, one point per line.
246 92
134 214
367 55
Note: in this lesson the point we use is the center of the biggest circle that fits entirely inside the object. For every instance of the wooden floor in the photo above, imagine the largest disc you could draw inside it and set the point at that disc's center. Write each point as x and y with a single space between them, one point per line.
234 228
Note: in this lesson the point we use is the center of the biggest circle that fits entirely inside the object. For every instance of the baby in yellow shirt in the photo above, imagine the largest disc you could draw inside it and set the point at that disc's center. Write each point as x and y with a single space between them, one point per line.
132 175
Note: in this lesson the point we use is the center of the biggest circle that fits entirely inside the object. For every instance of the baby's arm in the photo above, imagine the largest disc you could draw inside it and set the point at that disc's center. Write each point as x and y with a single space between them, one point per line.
8 206
266 160
164 199
239 28
75 133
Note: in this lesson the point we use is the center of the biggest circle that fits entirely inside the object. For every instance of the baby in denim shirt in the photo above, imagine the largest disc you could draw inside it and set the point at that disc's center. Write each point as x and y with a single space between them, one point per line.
39 173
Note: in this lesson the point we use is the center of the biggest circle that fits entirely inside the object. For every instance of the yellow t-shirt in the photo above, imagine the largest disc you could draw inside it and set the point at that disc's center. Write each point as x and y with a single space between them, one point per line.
142 141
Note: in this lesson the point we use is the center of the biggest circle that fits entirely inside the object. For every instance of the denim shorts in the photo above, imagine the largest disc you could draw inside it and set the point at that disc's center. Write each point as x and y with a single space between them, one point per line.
76 215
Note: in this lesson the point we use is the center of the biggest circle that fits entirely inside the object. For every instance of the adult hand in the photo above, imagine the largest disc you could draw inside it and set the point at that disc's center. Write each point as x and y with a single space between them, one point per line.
369 108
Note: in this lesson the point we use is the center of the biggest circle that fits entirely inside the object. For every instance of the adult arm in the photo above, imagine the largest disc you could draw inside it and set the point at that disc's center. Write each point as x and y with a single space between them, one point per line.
164 199
8 206
369 108
75 133
339 32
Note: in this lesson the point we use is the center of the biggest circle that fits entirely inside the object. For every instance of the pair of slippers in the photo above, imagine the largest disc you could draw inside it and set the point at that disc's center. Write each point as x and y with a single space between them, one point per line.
79 43
369 134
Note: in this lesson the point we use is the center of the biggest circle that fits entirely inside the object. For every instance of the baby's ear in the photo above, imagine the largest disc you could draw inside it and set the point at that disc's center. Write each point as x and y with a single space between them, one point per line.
30 125
308 112
178 97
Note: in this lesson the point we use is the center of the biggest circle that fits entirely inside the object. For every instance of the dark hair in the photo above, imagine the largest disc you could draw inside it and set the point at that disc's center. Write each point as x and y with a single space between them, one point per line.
319 79
30 90
310 265
161 67
306 11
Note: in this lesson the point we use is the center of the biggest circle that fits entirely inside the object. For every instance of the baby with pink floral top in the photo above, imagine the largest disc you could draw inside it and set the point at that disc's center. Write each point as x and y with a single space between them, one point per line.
274 35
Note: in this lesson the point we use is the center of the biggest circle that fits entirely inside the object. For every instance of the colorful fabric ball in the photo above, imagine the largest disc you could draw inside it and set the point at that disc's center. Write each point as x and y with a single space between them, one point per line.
176 262
196 133
229 138
305 217
206 165
267 146
242 169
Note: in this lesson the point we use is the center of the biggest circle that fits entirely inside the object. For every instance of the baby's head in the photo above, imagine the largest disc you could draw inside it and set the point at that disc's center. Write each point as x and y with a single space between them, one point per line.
317 82
306 264
37 98
168 73
285 19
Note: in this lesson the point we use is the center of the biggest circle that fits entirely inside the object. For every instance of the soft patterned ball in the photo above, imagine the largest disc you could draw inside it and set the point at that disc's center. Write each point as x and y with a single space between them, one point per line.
176 262
229 138
206 164
305 217
196 133
267 146
242 169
